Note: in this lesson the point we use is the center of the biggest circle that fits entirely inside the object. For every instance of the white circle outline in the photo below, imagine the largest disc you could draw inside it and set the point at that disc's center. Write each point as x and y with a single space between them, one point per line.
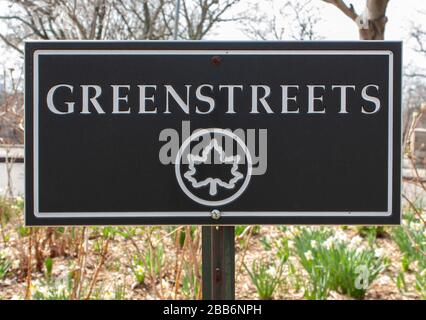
185 144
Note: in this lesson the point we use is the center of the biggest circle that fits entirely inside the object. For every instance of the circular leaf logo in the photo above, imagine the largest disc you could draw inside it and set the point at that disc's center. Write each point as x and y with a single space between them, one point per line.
209 173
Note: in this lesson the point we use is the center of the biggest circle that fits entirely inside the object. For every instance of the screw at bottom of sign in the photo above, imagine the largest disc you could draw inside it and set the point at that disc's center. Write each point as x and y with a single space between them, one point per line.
215 214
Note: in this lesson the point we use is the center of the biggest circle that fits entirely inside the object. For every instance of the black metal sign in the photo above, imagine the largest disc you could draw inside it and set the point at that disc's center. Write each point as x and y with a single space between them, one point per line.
213 132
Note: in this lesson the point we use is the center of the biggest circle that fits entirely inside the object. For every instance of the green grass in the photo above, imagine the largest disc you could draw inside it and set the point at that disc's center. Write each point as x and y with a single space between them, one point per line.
335 262
411 240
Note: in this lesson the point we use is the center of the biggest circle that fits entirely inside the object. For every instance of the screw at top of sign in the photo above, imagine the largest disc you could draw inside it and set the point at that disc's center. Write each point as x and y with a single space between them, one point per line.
216 60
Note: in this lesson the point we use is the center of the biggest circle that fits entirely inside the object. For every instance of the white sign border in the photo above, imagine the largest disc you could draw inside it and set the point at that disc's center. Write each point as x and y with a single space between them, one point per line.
348 214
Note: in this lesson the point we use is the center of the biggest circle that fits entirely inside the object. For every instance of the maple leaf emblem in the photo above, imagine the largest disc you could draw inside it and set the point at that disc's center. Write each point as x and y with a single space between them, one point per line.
213 183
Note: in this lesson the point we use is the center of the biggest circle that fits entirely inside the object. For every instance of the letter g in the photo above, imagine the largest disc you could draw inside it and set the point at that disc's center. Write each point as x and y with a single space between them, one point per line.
51 105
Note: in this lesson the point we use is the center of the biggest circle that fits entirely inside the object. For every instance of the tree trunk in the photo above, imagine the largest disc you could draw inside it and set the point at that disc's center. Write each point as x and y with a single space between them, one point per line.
373 20
371 23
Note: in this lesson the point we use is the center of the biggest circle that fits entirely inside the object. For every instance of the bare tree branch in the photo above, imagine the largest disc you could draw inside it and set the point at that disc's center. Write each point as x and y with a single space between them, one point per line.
108 19
288 20
349 11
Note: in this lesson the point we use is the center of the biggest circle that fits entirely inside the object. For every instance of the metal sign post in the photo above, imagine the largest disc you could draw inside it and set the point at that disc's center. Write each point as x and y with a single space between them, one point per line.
218 264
